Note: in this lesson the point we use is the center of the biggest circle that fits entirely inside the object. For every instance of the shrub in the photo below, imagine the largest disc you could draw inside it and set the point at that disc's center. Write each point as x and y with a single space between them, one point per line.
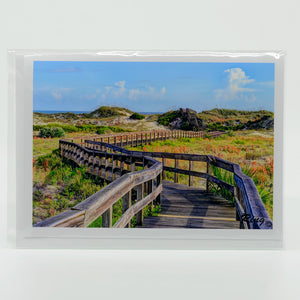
57 132
47 132
137 116
230 133
168 117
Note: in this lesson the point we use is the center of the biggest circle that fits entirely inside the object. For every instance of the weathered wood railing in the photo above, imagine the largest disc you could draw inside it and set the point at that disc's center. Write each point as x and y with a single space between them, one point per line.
145 184
251 211
134 139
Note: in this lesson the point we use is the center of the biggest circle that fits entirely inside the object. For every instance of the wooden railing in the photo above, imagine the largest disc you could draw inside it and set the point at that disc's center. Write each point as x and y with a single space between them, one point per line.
134 139
126 181
105 157
250 209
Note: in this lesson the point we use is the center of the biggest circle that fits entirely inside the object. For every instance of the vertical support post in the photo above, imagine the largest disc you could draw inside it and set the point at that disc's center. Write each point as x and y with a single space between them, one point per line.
139 215
176 174
101 140
105 168
61 151
136 139
191 167
107 218
158 182
121 166
127 198
150 184
132 164
208 171
113 166
121 141
126 140
164 174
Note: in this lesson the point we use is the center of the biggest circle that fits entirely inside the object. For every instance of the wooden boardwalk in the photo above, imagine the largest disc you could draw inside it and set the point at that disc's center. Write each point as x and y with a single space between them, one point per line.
138 179
190 207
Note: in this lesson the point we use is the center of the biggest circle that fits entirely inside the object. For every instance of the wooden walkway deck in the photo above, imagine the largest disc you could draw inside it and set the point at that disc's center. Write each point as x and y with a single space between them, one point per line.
190 207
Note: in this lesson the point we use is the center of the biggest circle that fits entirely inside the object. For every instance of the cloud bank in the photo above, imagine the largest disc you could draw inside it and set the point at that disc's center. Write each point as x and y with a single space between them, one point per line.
237 86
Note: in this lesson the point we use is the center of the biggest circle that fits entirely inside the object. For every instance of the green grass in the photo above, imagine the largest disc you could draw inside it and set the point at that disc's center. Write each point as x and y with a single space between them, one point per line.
58 185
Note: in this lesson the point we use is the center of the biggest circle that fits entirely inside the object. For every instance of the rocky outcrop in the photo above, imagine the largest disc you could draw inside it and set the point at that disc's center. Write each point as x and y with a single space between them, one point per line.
265 122
186 119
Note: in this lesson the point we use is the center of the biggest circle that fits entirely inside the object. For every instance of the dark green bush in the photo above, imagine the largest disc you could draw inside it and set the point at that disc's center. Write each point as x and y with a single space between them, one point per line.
168 117
47 132
137 116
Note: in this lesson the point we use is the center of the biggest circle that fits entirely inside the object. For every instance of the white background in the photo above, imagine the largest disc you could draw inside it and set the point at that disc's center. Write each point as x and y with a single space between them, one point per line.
156 25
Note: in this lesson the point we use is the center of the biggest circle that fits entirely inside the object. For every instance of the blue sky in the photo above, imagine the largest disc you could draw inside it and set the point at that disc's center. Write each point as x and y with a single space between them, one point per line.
152 86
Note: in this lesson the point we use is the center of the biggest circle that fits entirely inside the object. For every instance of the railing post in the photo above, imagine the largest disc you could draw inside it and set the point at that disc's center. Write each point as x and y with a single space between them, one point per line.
164 174
208 171
176 174
101 140
139 215
121 141
113 166
158 182
191 167
150 190
107 218
127 198
103 166
106 167
121 166
61 151
132 164
96 166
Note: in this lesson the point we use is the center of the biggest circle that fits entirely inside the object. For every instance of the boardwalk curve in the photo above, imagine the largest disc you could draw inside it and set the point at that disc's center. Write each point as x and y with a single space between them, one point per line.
139 179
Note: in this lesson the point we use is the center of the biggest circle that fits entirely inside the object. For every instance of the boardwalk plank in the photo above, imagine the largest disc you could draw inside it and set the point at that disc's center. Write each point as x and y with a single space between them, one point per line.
191 207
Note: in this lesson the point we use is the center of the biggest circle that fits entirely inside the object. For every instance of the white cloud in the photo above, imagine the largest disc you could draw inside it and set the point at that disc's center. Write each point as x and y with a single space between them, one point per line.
56 95
237 86
119 89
